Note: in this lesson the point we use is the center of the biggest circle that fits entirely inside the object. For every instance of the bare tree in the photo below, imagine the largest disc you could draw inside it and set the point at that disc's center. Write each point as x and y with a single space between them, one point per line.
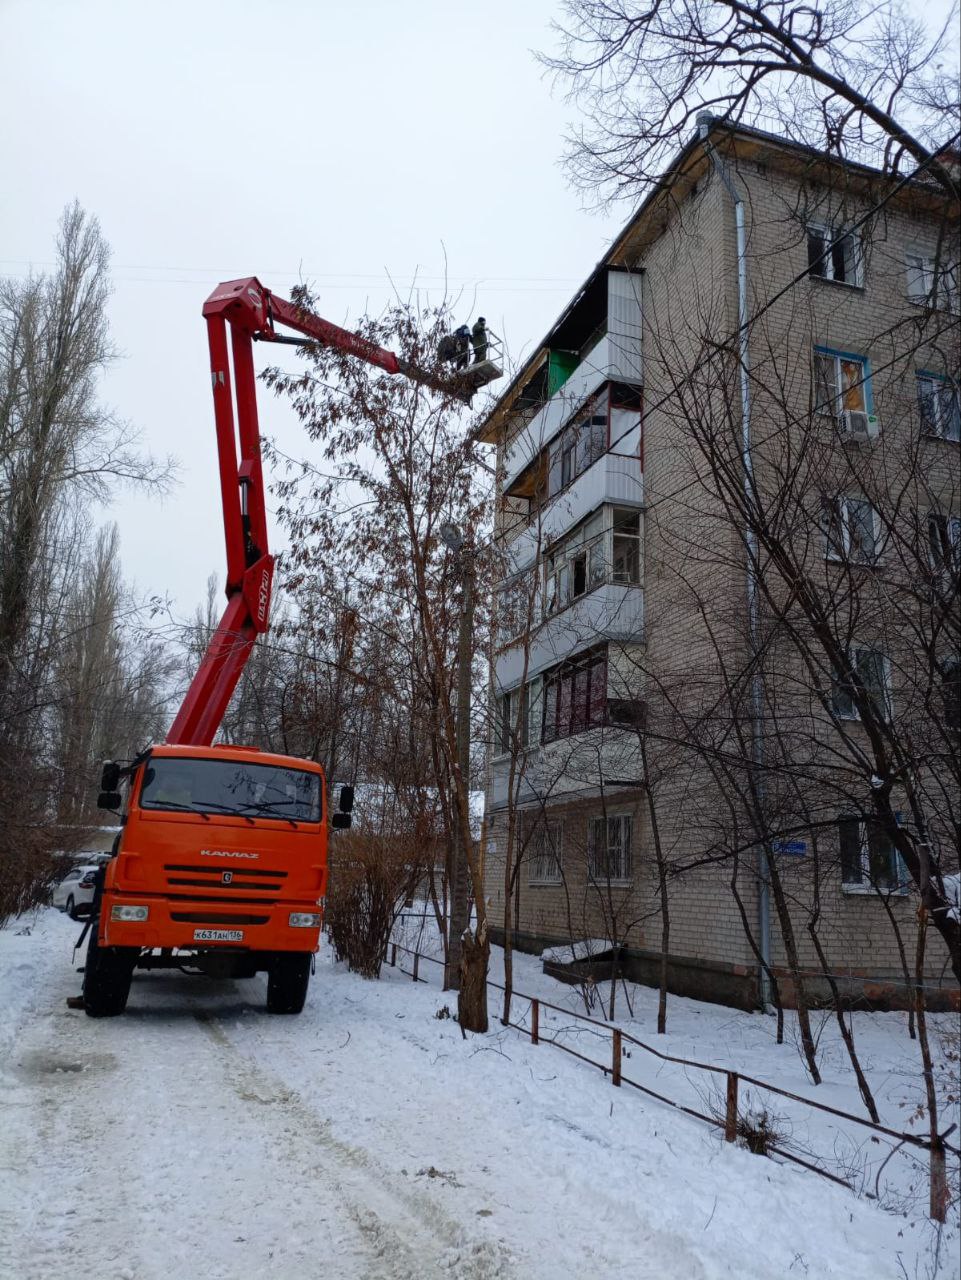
838 75
398 466
60 447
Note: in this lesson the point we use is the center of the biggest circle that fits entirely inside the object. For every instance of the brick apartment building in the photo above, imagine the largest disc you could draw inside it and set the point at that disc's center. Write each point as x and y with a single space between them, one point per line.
625 588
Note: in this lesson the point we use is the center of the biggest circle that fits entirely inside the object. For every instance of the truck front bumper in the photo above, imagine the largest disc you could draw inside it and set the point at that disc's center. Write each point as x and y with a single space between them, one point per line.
194 926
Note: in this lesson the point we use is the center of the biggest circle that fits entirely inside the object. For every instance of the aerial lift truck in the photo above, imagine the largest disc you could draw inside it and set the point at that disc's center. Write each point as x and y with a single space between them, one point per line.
221 861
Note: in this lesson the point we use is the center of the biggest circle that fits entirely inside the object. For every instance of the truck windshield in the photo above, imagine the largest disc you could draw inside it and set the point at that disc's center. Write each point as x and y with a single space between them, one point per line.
231 786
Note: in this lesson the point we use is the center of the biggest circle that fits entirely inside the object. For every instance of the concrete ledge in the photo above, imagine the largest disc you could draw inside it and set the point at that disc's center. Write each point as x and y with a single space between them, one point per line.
734 985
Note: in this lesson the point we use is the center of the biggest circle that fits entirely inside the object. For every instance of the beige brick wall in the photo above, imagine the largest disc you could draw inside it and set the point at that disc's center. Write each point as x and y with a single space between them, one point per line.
694 579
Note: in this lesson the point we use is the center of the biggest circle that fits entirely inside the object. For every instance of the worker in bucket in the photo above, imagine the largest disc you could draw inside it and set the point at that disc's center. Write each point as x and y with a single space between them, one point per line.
462 337
447 348
478 337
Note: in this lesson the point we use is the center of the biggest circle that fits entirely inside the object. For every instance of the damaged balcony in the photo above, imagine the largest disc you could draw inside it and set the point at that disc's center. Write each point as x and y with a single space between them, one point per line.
596 342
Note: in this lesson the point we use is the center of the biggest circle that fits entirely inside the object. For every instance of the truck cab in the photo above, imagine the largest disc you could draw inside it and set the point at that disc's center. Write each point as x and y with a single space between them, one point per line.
221 866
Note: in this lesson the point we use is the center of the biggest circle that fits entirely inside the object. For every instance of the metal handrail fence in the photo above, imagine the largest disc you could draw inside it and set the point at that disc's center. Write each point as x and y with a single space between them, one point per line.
937 1148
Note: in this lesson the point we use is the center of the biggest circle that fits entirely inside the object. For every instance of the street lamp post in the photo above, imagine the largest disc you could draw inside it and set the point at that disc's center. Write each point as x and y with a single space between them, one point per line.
453 539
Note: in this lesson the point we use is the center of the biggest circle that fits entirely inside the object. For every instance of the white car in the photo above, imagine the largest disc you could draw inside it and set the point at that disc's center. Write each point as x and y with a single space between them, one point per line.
74 893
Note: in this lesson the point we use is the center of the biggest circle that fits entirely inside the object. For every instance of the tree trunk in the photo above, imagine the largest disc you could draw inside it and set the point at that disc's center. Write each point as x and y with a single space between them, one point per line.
472 994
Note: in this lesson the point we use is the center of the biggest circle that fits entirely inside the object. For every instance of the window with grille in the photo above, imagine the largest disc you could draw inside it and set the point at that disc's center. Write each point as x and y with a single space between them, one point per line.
544 853
870 667
610 852
869 859
939 407
834 254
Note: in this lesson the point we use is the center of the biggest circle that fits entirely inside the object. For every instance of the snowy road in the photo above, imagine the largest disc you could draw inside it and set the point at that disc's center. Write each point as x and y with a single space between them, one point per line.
196 1137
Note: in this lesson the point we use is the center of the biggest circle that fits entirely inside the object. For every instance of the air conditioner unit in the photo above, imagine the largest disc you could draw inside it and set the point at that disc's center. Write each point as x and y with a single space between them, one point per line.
858 425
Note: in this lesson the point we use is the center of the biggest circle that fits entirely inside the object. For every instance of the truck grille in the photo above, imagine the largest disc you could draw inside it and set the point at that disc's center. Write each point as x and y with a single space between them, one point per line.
228 882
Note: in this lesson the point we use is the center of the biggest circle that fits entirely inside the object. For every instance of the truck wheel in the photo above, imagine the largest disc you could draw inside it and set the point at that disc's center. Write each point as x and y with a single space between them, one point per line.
71 908
106 977
287 980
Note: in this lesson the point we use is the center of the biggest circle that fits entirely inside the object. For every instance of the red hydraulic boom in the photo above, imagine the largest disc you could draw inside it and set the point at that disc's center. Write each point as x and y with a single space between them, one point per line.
253 312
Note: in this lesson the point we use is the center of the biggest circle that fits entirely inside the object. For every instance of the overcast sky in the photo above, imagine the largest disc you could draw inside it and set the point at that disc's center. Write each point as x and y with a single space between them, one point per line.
222 138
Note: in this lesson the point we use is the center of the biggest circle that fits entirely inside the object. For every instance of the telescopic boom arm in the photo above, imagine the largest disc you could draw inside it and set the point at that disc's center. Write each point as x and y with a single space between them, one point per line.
253 312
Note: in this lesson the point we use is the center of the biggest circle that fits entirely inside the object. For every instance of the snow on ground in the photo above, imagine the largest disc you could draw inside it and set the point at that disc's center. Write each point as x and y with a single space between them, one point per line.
198 1137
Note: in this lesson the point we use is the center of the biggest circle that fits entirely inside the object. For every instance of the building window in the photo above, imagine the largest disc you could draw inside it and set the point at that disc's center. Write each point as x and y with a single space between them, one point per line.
871 671
609 849
842 382
834 254
600 551
515 608
575 696
544 854
626 547
869 859
511 706
534 720
575 567
852 530
579 445
951 692
944 543
938 403
931 282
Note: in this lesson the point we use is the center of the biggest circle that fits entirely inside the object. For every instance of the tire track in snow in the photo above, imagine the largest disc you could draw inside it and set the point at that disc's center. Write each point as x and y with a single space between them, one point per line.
411 1236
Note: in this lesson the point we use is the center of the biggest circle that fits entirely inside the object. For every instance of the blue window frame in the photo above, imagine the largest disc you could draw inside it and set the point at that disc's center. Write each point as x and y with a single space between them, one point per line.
842 380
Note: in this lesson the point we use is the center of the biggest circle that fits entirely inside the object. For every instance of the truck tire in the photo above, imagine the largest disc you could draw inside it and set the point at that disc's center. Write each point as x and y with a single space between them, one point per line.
106 977
287 980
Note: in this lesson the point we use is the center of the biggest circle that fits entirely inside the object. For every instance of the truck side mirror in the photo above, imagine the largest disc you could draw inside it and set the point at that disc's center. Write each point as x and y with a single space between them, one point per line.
109 800
341 821
346 799
110 777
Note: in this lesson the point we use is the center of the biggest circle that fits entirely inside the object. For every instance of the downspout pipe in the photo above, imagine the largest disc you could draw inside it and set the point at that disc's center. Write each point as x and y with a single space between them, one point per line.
704 122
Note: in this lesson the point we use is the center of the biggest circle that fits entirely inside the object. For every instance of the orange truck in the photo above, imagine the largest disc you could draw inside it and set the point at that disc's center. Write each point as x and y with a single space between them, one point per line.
221 861
221 867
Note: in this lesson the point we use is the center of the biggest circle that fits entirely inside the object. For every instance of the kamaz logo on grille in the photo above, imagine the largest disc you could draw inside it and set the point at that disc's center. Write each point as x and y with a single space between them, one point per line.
227 877
226 853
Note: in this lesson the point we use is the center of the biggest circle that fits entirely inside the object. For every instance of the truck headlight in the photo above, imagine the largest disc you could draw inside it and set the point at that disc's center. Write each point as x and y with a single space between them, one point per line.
304 920
129 913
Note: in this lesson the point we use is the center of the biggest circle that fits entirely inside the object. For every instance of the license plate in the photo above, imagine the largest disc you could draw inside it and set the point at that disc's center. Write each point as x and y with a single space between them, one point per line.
218 935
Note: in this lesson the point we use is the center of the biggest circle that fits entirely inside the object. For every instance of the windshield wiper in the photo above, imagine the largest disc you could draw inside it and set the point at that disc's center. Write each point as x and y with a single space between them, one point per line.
267 811
172 805
214 807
